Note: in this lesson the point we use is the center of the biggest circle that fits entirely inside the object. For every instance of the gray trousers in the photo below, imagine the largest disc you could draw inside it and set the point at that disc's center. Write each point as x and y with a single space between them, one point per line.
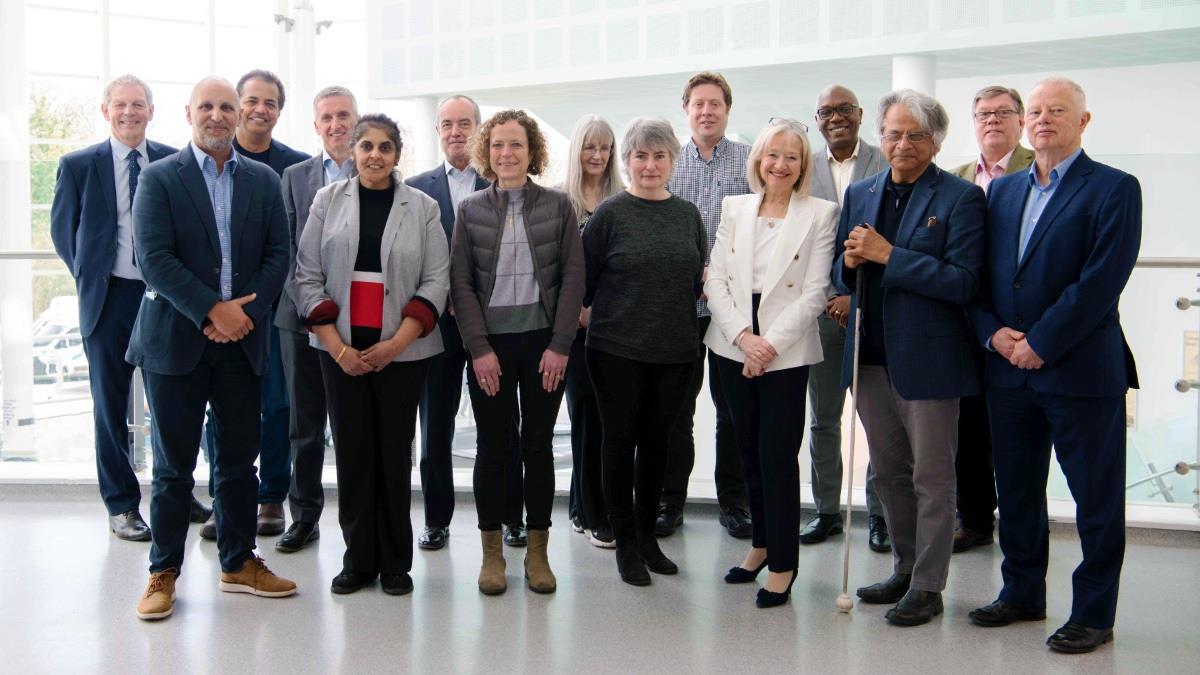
912 446
828 398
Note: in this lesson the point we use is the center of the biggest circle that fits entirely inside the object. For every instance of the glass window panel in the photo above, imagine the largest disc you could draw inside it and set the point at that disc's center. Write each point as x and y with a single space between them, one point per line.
149 48
79 31
246 12
186 11
170 123
87 5
241 49
341 54
65 108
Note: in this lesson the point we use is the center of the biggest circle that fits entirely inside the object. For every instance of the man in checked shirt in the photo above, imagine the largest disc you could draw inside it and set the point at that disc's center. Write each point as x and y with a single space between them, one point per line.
709 168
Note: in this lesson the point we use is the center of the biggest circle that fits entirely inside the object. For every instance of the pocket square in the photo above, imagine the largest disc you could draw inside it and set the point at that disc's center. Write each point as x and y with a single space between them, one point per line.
932 222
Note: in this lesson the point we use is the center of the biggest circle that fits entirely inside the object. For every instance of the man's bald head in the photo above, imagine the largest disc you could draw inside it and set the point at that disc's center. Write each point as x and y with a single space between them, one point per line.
213 112
836 91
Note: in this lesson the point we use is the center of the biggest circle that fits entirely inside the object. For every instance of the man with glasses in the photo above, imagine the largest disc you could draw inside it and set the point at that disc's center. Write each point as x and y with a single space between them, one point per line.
916 233
999 117
845 159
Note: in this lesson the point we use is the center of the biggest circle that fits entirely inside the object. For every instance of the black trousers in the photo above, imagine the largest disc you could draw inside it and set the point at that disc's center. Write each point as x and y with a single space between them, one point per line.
225 381
440 399
374 419
587 441
973 466
768 422
521 394
306 391
731 487
639 403
110 377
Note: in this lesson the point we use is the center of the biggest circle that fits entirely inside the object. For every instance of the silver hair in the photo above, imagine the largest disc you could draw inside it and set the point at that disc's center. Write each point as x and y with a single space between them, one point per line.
124 80
924 108
591 127
462 97
335 90
1065 82
649 133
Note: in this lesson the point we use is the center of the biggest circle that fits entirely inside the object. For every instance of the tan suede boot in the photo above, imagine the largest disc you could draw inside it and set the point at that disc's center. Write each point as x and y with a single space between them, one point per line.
491 574
537 565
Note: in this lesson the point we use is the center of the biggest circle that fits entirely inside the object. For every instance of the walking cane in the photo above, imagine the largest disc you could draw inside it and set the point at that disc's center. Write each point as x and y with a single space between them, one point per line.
844 603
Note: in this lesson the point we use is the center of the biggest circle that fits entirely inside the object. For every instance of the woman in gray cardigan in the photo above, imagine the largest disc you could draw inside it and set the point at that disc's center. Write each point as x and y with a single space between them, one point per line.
372 274
517 285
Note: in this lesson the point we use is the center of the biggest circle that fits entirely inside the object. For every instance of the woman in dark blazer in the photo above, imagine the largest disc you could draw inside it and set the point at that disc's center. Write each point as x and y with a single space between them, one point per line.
372 274
766 287
517 285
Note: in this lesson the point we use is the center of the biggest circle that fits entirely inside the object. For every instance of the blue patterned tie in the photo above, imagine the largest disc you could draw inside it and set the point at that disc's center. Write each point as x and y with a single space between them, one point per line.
134 170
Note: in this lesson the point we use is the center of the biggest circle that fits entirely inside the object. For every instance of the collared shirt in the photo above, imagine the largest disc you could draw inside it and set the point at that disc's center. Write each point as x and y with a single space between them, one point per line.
706 182
123 264
333 172
1039 197
220 194
984 175
842 172
462 183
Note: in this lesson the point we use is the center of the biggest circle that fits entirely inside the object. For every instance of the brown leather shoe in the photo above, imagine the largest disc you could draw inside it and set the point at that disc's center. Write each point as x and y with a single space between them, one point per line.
966 539
159 599
537 565
254 578
270 519
491 573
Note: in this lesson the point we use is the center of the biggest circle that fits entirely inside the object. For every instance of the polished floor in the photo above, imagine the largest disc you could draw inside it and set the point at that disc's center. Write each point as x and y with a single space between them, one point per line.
68 589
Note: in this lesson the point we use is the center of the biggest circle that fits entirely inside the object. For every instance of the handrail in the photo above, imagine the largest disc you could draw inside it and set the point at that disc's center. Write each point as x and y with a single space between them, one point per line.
28 255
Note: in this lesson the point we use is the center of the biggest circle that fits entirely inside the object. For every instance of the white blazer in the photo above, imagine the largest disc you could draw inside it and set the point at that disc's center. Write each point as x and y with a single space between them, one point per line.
793 293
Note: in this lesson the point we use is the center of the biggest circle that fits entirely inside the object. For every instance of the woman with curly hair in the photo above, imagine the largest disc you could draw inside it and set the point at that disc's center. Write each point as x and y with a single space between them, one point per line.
517 283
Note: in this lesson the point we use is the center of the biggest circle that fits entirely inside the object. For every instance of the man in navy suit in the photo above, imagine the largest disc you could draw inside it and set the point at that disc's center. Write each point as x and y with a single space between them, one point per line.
917 233
261 97
210 232
335 114
91 224
1062 240
448 183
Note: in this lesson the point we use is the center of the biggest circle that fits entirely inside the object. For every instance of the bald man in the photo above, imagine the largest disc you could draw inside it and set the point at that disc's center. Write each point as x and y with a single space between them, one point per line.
210 235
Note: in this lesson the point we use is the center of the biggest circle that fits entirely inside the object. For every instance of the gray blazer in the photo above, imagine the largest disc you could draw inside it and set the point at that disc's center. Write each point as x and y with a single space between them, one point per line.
870 162
300 184
414 257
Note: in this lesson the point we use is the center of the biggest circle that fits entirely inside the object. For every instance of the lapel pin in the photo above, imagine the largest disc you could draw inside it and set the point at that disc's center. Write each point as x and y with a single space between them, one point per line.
932 222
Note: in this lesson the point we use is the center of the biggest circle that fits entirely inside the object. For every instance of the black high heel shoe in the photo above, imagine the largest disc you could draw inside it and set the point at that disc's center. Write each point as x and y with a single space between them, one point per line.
740 575
767 598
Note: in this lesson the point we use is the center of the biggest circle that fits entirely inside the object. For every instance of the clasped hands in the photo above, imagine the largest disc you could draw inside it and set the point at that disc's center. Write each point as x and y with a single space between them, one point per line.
758 352
228 322
1012 345
866 245
553 368
372 359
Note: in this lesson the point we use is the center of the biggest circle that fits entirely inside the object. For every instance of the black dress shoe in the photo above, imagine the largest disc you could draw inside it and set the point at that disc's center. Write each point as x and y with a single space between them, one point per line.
349 582
297 536
915 608
630 565
199 512
818 529
1076 638
1001 613
740 575
767 598
515 536
396 584
669 520
887 591
129 526
656 561
737 523
433 538
877 535
209 529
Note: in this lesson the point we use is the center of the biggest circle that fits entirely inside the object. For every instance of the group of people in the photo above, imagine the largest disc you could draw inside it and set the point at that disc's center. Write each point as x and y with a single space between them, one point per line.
987 294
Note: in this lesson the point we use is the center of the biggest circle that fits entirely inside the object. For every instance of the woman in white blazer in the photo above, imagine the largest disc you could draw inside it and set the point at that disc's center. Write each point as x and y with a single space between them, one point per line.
766 287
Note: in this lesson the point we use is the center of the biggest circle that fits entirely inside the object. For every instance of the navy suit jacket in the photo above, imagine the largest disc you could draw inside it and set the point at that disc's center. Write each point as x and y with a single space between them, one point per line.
435 184
1063 294
179 254
281 156
931 276
83 222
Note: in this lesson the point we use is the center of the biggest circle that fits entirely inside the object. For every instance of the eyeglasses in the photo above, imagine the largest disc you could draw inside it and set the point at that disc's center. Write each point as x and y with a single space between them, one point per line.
1002 114
914 137
845 110
788 120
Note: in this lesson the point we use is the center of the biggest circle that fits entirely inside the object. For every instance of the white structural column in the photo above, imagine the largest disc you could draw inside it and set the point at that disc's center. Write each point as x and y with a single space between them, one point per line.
423 139
917 72
302 85
16 276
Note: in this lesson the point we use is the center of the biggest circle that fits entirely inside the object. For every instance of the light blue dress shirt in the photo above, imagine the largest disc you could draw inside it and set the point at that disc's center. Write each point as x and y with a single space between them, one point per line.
220 193
1039 197
462 183
333 172
123 262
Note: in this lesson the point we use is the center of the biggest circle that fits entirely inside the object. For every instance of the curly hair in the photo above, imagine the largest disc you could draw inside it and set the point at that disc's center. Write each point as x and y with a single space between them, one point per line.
539 149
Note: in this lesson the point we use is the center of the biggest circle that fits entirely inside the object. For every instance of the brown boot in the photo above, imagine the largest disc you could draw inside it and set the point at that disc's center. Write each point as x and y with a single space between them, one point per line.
159 599
254 578
270 519
537 565
491 574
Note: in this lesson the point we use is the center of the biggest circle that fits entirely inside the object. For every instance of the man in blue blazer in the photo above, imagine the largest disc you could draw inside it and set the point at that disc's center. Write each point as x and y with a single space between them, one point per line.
448 183
210 232
917 234
1062 241
91 224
